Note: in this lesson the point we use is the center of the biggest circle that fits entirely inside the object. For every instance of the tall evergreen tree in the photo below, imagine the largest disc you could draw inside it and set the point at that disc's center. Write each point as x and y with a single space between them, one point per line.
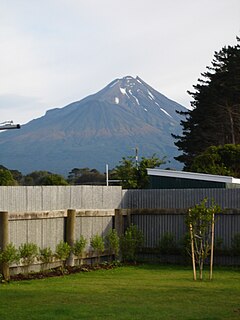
215 117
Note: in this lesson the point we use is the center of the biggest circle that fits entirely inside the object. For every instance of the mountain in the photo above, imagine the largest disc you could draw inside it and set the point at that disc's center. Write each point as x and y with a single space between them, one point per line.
99 129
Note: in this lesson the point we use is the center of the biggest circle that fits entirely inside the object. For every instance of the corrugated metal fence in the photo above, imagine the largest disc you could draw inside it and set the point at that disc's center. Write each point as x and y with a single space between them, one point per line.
179 198
155 225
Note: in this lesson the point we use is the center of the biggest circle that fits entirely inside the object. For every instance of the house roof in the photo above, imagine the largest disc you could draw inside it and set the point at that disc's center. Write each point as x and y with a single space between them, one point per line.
192 176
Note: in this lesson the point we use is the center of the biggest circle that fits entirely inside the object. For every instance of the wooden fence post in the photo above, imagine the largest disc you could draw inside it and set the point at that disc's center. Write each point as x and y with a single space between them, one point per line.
4 240
119 222
119 225
70 236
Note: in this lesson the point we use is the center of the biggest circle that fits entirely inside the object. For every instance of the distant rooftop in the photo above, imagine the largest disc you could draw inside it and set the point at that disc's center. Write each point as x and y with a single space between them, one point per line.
174 178
192 175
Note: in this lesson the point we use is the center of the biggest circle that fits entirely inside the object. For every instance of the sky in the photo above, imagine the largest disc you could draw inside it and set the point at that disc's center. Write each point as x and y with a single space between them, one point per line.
54 52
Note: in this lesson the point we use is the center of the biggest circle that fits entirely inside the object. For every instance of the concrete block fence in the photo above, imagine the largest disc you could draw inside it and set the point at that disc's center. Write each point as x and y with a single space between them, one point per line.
48 228
45 198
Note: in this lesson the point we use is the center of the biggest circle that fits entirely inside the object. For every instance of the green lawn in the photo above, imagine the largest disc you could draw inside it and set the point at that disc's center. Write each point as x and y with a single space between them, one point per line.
141 292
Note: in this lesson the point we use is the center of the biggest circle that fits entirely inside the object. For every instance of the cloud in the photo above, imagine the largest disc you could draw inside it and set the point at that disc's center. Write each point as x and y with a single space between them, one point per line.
60 51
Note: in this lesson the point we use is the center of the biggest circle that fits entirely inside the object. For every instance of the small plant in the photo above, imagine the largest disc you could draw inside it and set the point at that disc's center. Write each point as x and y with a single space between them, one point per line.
236 244
167 244
218 244
113 242
131 242
79 247
45 256
97 244
63 250
8 256
28 252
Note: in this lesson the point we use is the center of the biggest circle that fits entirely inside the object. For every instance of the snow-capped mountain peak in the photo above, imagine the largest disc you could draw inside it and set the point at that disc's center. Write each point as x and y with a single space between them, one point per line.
99 129
132 92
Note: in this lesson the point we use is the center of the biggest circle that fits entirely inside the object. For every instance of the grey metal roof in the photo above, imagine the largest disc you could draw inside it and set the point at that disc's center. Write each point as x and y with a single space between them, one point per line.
192 176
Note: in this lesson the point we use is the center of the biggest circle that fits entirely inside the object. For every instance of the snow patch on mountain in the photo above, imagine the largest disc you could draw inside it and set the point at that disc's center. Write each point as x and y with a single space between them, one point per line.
151 95
136 99
165 112
123 91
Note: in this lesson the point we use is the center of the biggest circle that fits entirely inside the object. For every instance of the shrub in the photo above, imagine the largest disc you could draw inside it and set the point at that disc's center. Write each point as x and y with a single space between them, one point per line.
9 255
218 246
113 242
97 244
130 243
79 246
63 250
46 256
167 244
28 252
236 244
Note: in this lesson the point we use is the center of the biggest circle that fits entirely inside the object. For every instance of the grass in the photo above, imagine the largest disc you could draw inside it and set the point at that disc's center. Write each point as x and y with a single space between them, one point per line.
133 292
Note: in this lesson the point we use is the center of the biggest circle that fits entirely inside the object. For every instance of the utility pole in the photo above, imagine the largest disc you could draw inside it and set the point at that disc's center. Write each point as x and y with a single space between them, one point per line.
6 125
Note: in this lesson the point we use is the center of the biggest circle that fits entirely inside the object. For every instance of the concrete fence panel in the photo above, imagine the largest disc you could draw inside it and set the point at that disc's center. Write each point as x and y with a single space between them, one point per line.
90 223
43 198
42 228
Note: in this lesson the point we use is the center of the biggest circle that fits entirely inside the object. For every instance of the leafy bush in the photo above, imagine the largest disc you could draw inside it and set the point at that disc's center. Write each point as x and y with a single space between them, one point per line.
28 252
167 244
130 243
79 246
113 242
97 243
236 244
218 246
63 250
9 255
46 255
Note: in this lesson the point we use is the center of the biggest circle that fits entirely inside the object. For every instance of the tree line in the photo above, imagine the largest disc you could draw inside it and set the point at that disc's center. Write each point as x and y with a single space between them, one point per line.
128 173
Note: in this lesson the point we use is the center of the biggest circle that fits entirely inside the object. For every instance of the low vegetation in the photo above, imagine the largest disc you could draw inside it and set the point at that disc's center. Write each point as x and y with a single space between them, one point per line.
97 244
131 243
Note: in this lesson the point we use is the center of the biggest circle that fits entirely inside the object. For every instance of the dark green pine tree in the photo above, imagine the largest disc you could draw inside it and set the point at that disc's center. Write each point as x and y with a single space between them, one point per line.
215 116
